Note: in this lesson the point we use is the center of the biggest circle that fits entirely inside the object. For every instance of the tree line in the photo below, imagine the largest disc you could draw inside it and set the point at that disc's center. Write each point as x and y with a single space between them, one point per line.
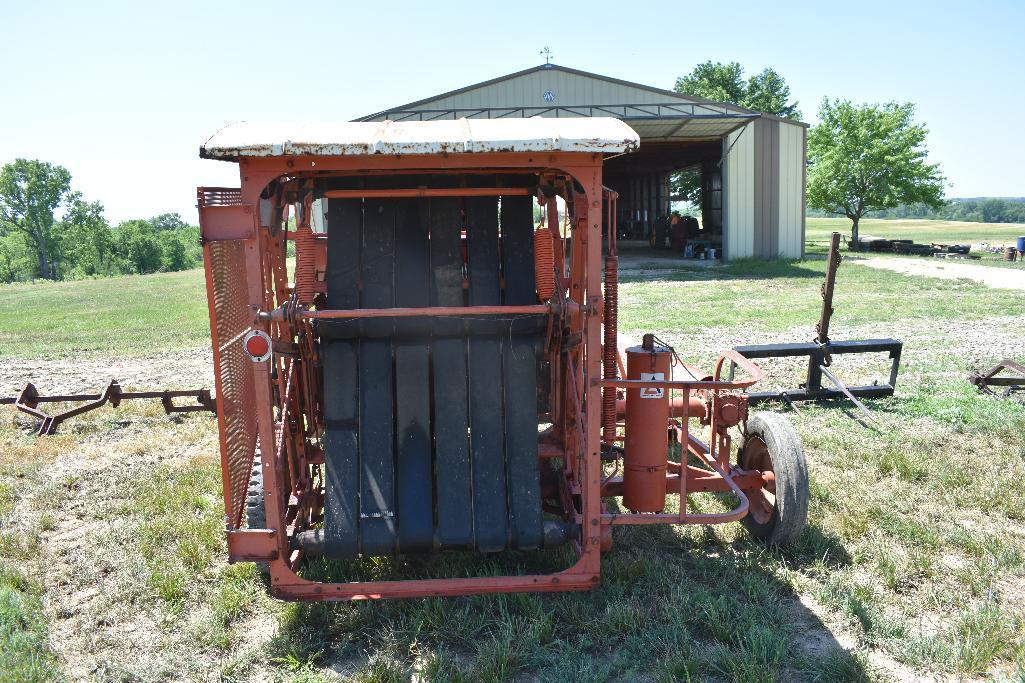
980 210
49 231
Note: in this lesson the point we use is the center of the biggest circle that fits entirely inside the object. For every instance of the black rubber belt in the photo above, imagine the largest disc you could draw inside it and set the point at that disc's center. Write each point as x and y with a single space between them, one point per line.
520 368
377 398
449 347
412 380
341 405
485 371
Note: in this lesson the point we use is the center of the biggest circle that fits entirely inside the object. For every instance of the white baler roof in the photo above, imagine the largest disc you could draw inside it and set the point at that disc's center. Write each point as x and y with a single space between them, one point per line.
460 136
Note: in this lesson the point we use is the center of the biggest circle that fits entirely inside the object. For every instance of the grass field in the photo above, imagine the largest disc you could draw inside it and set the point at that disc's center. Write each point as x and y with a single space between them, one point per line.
111 549
134 315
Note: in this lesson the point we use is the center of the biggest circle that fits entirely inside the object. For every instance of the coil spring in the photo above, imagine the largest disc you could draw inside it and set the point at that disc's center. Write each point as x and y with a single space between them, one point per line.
610 347
544 264
305 265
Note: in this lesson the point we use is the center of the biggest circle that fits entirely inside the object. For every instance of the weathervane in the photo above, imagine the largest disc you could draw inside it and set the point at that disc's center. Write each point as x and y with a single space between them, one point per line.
547 55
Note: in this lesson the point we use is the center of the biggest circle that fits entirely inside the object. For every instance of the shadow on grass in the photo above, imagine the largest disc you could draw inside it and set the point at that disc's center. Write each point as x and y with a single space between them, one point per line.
672 606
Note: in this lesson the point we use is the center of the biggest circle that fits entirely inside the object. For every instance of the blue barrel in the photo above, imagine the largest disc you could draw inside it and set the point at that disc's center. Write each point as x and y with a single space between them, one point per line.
1021 244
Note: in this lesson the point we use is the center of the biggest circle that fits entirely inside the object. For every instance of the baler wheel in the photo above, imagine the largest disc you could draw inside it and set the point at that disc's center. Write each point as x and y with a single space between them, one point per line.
779 511
256 510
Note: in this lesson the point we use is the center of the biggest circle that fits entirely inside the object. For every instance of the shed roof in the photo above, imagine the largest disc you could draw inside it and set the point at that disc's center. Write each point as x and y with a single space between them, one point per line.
461 136
551 90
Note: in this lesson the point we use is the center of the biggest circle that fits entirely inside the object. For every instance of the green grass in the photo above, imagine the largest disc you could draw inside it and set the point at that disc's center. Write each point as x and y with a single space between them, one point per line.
131 316
913 557
747 295
180 529
25 655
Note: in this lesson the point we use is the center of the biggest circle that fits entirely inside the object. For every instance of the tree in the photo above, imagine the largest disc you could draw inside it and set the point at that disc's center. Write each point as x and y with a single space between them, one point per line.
685 186
168 221
715 81
88 243
137 248
30 192
173 254
869 157
766 91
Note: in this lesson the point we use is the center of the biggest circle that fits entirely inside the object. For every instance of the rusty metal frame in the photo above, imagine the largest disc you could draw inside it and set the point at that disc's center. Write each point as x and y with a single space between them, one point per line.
282 399
29 398
583 288
985 381
720 477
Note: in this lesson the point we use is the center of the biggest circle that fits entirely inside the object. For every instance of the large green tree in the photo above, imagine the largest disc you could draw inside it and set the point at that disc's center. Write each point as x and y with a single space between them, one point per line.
869 157
137 247
766 91
30 192
88 244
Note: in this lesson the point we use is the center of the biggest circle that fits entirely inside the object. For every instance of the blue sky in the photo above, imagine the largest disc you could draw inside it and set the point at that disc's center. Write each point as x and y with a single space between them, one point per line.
124 93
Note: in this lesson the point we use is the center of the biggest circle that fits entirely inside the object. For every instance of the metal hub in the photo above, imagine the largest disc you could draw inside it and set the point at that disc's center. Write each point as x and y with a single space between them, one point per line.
763 500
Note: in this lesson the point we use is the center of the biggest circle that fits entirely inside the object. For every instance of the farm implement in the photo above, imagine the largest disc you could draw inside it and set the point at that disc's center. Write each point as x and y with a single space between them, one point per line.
997 376
440 369
29 401
820 354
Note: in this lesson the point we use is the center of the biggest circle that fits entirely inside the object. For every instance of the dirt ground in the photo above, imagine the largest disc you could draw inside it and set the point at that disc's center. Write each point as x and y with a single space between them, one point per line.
191 369
998 278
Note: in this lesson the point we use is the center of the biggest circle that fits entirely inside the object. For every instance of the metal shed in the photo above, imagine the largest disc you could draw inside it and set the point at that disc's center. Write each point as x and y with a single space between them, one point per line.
752 164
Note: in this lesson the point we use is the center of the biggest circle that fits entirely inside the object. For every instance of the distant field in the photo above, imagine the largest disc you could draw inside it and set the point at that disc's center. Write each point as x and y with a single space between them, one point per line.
943 232
923 232
129 316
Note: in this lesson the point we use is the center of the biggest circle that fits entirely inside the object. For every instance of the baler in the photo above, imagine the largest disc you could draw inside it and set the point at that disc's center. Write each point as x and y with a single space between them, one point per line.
439 369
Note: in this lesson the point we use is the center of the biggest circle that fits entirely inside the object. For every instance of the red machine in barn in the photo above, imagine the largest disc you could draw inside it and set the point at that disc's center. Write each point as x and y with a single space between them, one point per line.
440 370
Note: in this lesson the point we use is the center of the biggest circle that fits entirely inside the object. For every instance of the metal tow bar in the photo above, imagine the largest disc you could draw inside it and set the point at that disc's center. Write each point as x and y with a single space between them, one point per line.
29 399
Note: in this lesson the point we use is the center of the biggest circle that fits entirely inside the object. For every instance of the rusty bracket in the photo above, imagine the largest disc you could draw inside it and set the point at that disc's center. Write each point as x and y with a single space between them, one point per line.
29 399
252 545
991 378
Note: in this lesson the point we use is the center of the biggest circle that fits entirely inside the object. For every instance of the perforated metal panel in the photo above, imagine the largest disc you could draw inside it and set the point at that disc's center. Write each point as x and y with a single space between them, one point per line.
230 318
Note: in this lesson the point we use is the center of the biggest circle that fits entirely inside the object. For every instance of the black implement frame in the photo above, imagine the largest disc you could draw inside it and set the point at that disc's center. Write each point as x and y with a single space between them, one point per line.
820 352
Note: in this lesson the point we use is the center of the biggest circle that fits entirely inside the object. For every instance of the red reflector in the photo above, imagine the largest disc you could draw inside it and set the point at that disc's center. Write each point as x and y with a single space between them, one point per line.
257 346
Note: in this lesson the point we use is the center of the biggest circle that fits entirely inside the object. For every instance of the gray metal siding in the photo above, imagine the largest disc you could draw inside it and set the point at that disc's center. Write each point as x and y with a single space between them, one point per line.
738 193
790 190
766 200
774 224
804 189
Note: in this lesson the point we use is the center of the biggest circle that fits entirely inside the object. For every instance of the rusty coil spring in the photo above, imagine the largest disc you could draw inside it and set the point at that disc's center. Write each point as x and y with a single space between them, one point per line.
544 264
305 261
305 266
610 347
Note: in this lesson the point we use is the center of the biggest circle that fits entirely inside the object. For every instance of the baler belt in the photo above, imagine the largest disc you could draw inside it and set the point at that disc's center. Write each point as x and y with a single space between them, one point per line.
412 382
452 445
520 368
485 369
376 435
431 422
341 388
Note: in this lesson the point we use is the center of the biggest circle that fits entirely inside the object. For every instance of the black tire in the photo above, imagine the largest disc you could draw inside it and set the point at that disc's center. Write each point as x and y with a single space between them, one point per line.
771 443
256 510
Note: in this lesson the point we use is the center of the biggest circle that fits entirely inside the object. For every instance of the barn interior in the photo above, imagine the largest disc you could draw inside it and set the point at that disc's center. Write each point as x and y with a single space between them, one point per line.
643 180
